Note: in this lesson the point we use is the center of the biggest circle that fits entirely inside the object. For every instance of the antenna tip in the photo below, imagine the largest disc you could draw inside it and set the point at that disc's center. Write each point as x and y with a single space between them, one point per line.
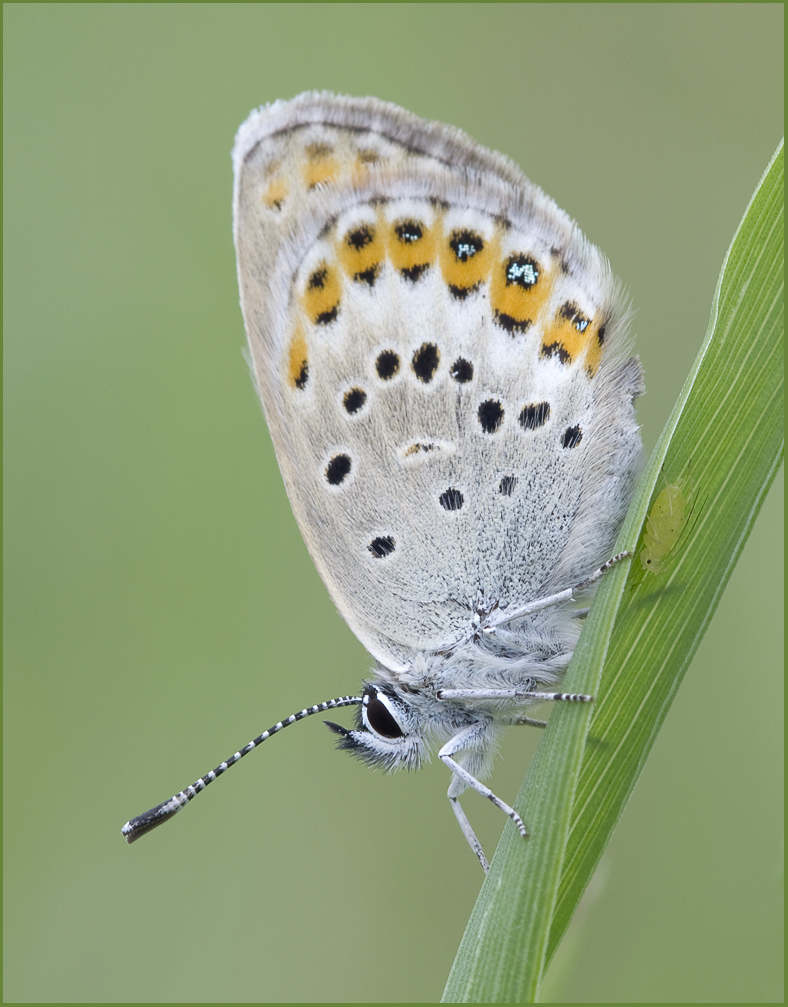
143 823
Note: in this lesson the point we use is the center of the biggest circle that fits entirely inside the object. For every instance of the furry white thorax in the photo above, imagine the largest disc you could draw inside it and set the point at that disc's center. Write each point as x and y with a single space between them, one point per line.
533 656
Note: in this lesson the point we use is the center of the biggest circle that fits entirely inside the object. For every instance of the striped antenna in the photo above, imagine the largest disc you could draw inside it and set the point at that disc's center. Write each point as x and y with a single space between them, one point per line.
163 812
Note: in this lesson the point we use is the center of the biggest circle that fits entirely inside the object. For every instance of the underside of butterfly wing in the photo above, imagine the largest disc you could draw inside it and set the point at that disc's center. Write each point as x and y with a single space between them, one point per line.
442 359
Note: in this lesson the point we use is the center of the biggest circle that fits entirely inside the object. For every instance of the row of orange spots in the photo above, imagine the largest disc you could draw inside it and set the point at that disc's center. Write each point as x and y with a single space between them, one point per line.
320 167
520 286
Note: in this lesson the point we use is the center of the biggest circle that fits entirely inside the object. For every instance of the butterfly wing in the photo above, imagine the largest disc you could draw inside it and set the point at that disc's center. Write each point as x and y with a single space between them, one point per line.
441 360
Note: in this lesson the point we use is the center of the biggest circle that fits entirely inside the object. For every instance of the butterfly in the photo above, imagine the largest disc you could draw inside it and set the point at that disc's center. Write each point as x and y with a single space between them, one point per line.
443 361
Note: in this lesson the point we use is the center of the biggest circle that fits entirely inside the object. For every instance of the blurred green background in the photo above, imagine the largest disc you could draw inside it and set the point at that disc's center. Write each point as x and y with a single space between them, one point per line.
161 608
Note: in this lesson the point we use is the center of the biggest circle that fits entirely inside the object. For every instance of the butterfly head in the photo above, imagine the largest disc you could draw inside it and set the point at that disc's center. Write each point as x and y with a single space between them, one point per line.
387 732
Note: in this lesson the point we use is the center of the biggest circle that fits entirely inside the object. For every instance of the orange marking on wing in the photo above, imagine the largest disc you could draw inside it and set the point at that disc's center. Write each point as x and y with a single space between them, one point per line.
274 195
596 340
569 334
297 359
411 245
466 259
322 294
321 166
361 249
319 174
364 160
519 289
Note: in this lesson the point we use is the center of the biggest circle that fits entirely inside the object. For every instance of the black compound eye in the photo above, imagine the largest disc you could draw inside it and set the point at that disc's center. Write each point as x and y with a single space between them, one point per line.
380 719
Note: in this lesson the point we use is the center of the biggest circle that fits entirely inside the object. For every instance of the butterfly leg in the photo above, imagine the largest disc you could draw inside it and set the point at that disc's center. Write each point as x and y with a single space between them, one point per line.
513 694
500 618
508 636
530 722
466 739
465 825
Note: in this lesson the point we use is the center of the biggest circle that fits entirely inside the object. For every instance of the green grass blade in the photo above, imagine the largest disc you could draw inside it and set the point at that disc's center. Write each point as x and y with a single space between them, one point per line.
723 445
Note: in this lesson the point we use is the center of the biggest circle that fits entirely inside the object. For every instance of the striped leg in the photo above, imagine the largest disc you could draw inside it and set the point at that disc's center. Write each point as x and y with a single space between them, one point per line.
467 831
515 694
463 741
502 617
